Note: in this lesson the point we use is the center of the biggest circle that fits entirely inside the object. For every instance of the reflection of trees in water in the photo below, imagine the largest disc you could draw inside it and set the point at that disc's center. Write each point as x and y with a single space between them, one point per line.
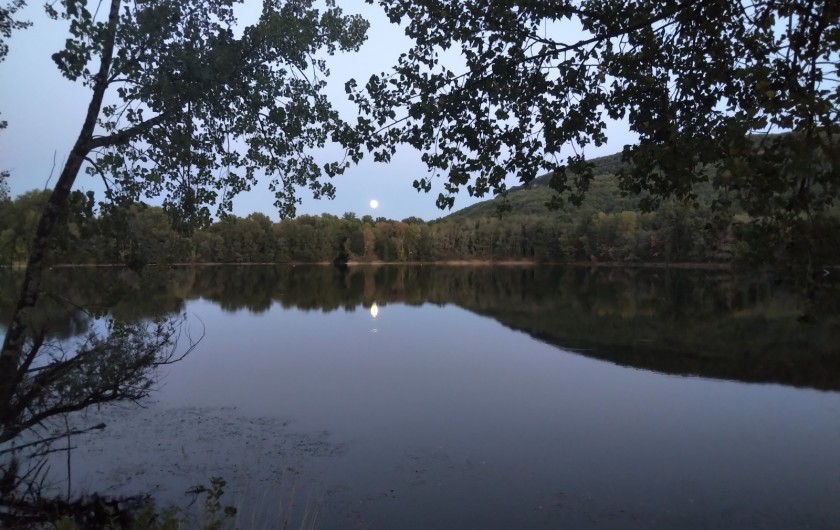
61 314
711 323
74 296
683 322
113 361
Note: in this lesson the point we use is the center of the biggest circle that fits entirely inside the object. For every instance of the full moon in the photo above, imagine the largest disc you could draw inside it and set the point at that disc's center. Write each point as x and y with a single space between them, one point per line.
374 204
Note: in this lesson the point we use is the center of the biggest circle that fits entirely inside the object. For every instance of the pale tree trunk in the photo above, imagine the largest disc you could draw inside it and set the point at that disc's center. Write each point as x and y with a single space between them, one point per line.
18 328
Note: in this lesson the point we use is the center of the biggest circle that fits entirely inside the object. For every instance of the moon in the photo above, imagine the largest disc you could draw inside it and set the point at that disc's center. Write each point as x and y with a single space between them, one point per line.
374 204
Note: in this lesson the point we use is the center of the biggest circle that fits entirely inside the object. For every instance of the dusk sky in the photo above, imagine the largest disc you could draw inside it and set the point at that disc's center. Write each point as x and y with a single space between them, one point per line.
45 112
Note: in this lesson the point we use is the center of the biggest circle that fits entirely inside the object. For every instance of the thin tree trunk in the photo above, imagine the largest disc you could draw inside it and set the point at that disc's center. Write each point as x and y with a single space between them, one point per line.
16 333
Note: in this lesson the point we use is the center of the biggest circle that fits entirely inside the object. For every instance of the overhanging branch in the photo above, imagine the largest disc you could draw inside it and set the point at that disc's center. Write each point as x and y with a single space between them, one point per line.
123 136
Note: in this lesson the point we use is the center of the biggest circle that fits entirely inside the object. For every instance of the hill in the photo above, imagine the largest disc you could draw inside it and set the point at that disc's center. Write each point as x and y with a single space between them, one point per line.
603 195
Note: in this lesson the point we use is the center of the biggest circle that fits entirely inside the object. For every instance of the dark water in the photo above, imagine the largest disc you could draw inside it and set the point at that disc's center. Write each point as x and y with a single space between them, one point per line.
477 397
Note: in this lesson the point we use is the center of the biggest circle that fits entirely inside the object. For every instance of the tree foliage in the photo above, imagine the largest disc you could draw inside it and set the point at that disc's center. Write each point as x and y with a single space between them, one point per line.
605 227
8 23
201 111
492 89
185 104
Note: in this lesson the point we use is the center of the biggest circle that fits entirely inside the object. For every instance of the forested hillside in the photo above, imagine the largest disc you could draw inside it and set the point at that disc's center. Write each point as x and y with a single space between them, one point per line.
608 226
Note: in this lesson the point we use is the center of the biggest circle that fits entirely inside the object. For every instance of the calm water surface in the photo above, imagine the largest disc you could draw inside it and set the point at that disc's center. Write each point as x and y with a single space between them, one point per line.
483 398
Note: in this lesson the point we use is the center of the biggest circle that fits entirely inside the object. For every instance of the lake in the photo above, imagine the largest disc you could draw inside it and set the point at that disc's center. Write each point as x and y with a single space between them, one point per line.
474 397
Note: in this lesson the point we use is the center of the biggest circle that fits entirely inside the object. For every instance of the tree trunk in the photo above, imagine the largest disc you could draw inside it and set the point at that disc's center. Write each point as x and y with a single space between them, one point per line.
16 333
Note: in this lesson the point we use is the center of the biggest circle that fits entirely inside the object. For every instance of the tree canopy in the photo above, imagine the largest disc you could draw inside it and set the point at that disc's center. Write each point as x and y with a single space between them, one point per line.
202 111
186 104
9 23
497 88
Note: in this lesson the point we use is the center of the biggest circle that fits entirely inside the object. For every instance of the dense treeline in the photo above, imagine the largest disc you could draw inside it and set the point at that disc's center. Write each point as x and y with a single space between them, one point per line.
605 227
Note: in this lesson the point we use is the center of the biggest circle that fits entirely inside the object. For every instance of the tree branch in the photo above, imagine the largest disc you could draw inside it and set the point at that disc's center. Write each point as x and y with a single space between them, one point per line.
125 135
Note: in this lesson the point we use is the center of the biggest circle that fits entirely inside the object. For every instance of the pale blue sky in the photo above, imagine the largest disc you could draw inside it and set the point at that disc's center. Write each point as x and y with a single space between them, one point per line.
45 112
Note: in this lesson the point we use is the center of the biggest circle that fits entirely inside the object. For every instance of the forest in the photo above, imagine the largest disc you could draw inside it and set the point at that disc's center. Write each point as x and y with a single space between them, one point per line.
607 226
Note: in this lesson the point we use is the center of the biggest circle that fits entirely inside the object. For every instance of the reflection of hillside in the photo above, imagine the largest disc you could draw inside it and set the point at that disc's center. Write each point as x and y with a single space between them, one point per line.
681 322
758 348
684 323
